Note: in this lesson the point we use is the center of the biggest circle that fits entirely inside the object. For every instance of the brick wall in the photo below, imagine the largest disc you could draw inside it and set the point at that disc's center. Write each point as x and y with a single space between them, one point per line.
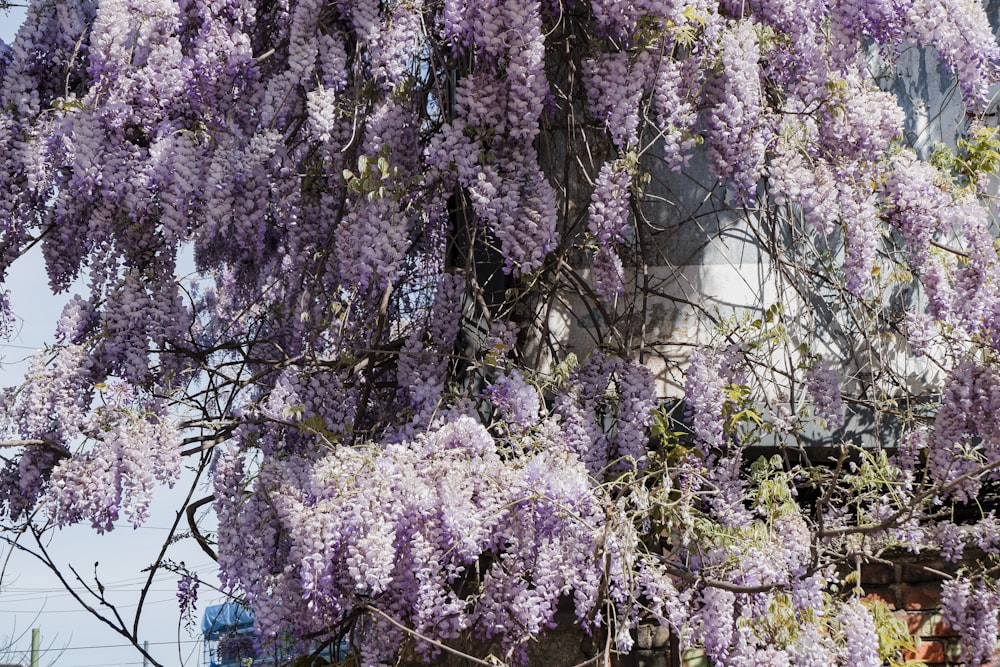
911 586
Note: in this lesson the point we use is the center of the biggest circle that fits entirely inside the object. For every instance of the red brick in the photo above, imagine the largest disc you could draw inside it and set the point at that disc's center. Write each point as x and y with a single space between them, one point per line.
916 597
931 570
878 573
928 650
928 624
884 593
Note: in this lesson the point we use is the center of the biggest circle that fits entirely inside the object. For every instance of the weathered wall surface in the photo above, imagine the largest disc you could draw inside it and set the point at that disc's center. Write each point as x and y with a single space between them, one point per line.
698 259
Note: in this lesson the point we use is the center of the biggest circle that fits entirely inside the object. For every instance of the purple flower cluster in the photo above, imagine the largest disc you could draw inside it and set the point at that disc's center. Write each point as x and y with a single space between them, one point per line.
735 123
726 490
705 396
617 18
951 540
918 197
52 405
673 95
130 455
859 122
606 412
608 214
137 319
403 527
187 598
705 383
516 402
526 232
234 649
971 610
718 623
489 143
966 430
636 403
608 274
924 208
579 422
614 91
47 35
608 220
795 177
860 640
423 361
813 648
321 161
963 40
391 36
371 244
25 479
833 198
823 386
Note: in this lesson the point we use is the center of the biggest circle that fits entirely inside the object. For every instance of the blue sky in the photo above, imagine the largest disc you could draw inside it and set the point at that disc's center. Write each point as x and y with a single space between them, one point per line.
31 596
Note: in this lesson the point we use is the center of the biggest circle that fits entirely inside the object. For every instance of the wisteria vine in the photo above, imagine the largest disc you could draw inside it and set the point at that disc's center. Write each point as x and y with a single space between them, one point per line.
425 357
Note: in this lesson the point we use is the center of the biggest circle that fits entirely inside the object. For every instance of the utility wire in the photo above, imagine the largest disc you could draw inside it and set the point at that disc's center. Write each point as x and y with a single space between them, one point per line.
56 649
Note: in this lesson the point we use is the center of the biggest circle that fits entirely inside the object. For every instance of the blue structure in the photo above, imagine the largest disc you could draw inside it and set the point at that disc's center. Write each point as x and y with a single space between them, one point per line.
229 640
222 619
228 631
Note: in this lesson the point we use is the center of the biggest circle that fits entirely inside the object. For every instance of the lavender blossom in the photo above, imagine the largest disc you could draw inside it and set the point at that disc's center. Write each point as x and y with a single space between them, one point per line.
971 610
824 388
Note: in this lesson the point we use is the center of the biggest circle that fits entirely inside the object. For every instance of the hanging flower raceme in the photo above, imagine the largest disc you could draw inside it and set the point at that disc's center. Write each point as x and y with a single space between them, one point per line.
608 222
710 372
735 122
403 528
971 610
966 434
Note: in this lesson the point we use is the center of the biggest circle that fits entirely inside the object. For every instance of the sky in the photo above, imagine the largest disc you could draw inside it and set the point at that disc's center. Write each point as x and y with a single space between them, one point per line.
30 595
